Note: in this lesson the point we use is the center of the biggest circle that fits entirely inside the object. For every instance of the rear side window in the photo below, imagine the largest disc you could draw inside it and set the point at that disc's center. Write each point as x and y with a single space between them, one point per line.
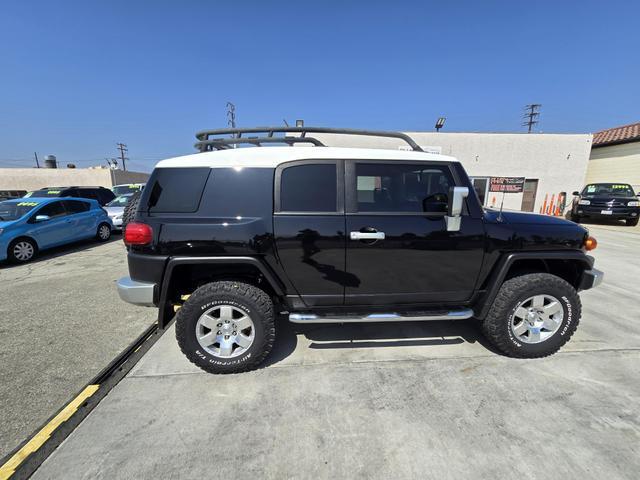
175 190
53 210
75 206
309 188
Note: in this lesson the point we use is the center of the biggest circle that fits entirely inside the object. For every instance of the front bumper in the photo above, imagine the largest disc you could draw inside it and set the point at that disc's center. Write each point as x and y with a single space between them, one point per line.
117 223
137 293
616 212
590 279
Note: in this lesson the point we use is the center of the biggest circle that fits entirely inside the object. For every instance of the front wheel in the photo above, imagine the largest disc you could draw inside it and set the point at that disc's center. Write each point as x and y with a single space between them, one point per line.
533 316
226 327
22 250
631 222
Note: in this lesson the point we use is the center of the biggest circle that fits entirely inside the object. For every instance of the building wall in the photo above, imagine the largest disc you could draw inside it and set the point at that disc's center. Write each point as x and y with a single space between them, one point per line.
35 178
615 163
558 161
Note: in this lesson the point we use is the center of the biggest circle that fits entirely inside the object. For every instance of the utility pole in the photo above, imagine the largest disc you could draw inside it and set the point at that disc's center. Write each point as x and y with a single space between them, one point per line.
123 148
231 114
37 163
531 115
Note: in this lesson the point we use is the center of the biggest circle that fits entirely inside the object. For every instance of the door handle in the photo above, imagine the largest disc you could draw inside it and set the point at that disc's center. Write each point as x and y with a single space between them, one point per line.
367 235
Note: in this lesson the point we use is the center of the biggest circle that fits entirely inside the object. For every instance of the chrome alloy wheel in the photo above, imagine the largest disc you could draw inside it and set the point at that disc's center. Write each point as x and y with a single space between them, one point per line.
104 232
23 251
536 319
225 331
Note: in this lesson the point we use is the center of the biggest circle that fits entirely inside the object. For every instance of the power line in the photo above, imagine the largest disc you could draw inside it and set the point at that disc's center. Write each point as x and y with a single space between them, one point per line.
123 148
531 115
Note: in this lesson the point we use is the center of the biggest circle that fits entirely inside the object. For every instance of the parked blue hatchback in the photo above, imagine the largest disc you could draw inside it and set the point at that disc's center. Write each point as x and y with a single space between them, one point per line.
28 225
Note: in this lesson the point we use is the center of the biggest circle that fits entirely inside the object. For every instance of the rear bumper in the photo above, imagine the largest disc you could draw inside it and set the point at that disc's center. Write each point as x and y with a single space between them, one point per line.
137 293
590 279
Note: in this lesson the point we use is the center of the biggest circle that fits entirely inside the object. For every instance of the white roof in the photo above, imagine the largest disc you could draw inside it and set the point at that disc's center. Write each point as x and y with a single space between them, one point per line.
271 157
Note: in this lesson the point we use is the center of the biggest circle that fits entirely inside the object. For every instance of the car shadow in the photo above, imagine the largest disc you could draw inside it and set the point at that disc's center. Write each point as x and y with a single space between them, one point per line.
60 251
375 335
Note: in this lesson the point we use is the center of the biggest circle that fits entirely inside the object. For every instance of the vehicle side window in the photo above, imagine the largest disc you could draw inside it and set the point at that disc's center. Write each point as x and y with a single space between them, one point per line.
309 188
76 206
105 196
402 187
53 210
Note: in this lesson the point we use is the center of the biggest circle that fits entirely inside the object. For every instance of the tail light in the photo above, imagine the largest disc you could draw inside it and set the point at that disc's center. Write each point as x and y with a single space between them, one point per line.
590 243
138 234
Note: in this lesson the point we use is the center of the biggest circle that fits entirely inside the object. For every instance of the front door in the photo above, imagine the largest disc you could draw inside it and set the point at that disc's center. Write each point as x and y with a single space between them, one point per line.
309 229
409 256
529 195
54 231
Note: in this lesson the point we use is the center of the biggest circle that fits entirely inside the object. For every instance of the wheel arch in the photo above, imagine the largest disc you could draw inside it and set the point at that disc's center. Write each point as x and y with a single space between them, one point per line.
184 274
23 237
566 265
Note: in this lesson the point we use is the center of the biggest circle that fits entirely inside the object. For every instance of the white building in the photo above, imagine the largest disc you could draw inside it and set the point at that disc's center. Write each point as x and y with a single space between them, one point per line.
553 165
35 178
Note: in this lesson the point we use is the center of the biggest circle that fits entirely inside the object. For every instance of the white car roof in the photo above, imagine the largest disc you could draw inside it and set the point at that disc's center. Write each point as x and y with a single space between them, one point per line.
271 157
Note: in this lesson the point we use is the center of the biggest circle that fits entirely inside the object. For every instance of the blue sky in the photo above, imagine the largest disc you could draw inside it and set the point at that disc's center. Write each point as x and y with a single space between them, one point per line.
77 77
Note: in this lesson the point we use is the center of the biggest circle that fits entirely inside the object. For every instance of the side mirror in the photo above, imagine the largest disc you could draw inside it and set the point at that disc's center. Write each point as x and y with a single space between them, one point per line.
454 208
577 194
42 218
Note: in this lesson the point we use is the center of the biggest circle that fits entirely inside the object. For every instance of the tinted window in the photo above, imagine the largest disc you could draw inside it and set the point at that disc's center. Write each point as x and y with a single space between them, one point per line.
175 190
76 206
309 188
53 210
105 196
406 188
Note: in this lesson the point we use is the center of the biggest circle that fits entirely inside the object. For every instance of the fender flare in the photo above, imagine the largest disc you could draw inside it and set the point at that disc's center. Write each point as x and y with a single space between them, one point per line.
500 271
164 313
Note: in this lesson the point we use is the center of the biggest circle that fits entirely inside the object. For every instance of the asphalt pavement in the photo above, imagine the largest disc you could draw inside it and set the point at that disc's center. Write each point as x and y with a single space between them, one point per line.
62 322
414 400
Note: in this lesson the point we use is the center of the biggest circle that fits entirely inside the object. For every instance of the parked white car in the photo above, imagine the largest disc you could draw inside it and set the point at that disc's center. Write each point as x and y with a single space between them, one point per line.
115 209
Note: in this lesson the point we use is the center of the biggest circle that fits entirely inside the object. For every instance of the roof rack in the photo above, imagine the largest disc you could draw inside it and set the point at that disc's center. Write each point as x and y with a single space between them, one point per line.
209 140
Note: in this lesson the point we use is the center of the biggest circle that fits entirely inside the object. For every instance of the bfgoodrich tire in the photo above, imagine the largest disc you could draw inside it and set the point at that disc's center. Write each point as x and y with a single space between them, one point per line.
130 209
533 316
226 327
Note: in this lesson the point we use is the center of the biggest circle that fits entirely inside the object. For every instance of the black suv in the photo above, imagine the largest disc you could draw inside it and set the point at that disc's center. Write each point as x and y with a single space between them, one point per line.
100 194
607 200
232 237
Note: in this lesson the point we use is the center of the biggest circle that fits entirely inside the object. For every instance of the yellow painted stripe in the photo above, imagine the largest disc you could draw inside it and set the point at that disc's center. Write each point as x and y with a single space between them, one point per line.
9 468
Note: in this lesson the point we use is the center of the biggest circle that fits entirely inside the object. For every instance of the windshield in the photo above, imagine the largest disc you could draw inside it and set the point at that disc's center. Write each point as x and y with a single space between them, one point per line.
609 190
15 210
120 201
123 189
44 193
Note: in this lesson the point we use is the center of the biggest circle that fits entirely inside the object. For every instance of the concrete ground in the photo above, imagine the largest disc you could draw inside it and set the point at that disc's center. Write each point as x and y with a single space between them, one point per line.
62 322
420 400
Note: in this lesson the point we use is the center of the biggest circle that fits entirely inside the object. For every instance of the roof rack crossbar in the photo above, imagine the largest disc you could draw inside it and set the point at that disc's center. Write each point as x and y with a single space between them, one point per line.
225 143
206 142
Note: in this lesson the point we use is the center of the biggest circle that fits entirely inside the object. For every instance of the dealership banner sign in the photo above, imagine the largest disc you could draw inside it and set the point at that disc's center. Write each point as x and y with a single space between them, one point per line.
506 184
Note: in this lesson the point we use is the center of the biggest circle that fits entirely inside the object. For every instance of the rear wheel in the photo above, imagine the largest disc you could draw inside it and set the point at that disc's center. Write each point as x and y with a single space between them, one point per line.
533 316
22 250
104 232
632 222
226 327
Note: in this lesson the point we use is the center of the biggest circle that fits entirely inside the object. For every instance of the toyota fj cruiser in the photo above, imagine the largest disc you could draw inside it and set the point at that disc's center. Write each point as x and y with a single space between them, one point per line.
231 237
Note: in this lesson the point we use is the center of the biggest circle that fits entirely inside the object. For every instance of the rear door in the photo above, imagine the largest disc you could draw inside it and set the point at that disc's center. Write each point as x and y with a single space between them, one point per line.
309 227
81 219
414 258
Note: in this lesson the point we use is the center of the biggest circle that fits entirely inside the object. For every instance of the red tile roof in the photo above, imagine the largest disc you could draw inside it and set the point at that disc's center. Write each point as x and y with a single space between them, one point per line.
623 134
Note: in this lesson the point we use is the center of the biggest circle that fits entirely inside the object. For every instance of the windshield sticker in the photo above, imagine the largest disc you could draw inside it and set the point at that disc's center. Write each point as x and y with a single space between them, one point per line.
619 187
27 204
591 188
53 192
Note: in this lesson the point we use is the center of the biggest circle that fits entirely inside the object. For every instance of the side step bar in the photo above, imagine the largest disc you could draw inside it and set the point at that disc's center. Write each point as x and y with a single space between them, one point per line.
381 317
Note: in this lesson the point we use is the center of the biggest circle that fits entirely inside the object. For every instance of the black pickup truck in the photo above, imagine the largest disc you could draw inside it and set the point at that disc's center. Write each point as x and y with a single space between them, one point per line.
230 238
